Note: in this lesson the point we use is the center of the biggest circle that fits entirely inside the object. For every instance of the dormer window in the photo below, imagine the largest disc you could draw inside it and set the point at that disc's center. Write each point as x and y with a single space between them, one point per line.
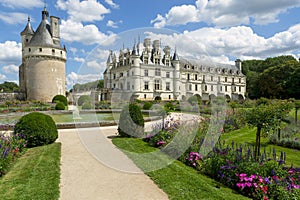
29 49
41 49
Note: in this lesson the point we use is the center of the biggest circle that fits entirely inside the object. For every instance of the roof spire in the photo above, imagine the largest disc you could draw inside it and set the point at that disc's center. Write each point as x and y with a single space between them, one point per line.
45 13
45 5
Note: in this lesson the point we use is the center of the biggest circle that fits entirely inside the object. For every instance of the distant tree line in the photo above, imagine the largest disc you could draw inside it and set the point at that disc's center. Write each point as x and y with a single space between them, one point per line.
9 87
277 77
88 86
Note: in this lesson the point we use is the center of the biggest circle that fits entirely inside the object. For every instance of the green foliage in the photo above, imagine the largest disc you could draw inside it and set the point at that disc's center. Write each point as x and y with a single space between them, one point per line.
60 98
83 99
131 123
86 106
147 105
60 106
38 129
194 100
100 84
8 87
86 86
276 77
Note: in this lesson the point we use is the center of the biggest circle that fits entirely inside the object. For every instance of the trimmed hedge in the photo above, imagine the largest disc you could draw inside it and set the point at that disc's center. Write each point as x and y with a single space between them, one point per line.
131 123
60 98
37 128
60 106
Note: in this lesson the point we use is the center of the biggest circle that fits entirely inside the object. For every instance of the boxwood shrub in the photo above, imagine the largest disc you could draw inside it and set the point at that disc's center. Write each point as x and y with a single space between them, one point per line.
37 128
60 106
60 98
131 122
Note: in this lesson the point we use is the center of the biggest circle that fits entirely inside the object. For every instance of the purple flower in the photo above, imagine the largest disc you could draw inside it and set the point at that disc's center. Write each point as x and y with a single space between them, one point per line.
159 143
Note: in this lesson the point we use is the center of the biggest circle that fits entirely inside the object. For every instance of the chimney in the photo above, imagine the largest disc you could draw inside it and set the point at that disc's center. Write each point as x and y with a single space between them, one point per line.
54 23
238 64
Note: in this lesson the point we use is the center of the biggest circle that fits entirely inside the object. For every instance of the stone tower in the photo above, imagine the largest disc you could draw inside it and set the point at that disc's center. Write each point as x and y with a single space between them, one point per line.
42 74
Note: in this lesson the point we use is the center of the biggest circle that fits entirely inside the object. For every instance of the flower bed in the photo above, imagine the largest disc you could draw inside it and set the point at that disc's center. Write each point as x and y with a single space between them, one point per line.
10 147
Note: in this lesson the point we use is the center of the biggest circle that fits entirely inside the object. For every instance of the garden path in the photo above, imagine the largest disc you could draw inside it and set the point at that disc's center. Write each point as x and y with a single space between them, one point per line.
93 168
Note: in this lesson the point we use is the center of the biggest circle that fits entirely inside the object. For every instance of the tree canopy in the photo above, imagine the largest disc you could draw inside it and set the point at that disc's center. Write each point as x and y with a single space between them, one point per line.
9 87
277 77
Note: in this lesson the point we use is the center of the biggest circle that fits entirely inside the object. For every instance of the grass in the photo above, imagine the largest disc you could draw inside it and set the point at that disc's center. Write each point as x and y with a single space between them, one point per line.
247 135
35 175
177 180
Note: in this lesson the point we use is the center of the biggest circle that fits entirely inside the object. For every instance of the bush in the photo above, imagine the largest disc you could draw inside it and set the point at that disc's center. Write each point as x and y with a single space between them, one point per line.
38 129
86 106
83 99
60 106
60 98
147 105
131 123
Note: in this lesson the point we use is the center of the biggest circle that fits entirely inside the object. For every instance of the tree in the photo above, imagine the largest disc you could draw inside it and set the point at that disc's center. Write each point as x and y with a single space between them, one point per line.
84 99
9 87
266 117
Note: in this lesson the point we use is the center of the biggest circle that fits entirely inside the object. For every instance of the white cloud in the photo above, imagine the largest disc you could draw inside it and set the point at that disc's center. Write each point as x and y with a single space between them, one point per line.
226 45
74 78
72 31
2 77
112 24
83 11
112 4
77 59
22 4
10 52
13 17
11 69
226 13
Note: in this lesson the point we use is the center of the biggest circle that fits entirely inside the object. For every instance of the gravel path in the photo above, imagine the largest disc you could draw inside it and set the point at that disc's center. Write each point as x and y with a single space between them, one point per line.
93 168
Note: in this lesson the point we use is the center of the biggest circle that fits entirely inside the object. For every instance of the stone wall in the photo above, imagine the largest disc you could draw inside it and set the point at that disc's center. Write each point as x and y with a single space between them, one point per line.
8 96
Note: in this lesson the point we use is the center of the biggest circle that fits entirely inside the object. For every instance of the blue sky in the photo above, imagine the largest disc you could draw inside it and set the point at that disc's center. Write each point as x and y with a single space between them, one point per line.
218 30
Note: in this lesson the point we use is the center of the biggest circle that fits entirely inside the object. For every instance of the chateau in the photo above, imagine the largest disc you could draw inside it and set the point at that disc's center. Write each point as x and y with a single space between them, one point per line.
42 74
153 75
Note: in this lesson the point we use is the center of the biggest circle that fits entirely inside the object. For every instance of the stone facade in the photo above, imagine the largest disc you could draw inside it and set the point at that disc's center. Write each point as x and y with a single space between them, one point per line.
154 73
42 74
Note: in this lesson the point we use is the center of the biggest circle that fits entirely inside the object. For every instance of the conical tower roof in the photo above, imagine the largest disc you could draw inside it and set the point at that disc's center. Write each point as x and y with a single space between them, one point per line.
28 29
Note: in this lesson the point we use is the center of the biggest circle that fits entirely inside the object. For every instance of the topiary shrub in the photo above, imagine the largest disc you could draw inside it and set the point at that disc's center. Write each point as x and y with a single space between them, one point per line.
60 98
60 106
131 123
37 128
147 105
84 98
86 106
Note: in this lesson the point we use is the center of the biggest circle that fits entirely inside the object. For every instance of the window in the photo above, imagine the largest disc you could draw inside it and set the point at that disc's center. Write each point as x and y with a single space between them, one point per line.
132 73
219 79
240 88
169 96
53 50
128 85
146 72
196 87
41 49
157 72
121 74
168 86
26 40
167 74
196 77
146 85
203 77
221 88
190 86
156 61
29 49
145 96
226 88
114 76
188 77
114 85
205 87
211 78
240 80
232 80
225 79
156 85
211 88
146 60
167 62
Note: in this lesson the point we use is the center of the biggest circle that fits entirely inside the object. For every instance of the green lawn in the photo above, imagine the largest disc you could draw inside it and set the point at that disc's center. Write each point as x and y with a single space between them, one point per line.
35 175
177 180
247 135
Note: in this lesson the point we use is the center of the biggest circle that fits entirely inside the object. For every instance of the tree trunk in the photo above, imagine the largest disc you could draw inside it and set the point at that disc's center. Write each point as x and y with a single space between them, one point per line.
257 143
278 133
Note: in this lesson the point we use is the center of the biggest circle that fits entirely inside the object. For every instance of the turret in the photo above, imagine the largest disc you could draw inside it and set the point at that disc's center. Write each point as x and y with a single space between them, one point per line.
27 34
176 79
